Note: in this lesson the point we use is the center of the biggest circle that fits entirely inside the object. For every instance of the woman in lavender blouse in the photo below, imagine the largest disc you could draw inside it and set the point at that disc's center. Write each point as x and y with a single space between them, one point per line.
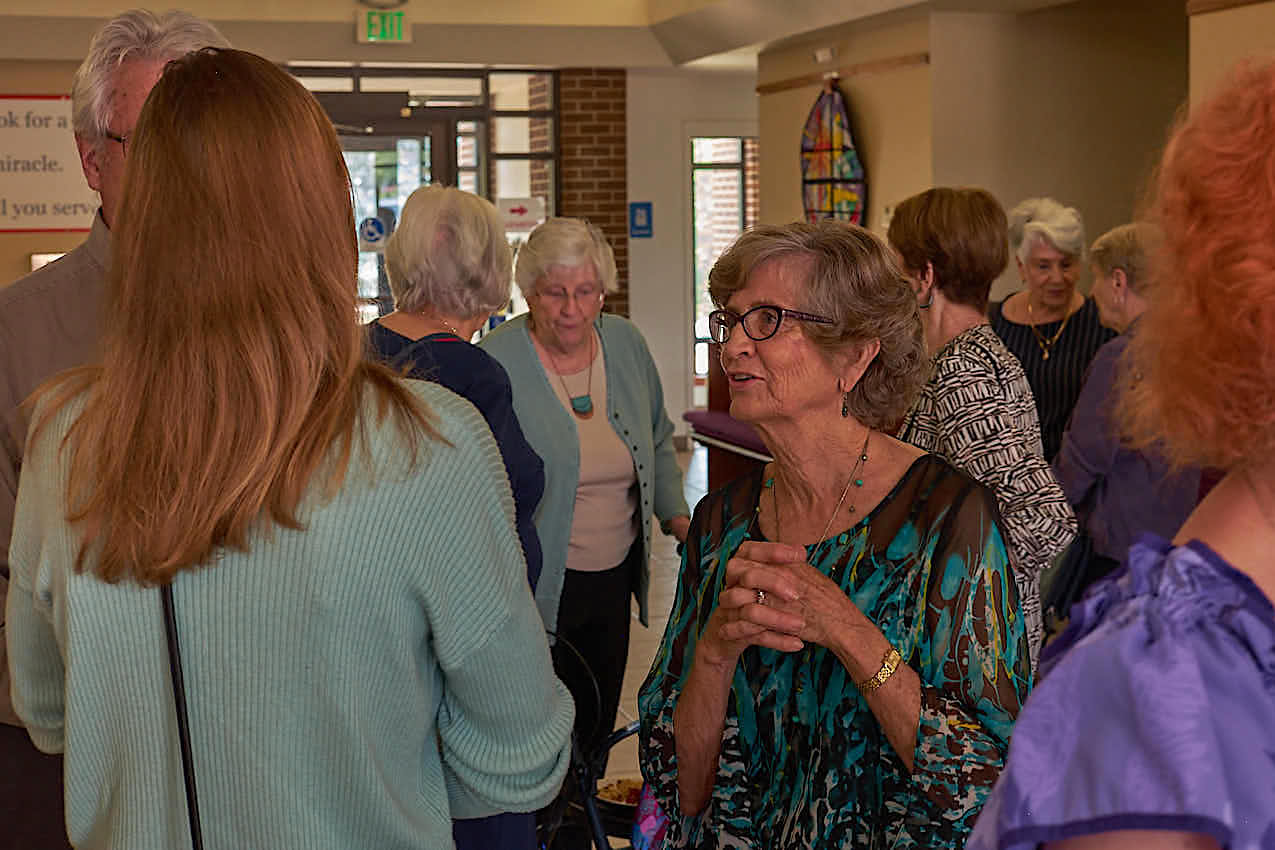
1151 727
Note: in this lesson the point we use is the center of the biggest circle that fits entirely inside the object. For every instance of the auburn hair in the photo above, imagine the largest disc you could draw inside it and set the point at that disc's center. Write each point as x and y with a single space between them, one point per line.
962 233
1202 363
232 369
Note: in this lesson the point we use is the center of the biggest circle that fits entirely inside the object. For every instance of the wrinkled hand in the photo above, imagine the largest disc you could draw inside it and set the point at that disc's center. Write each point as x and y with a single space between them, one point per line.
829 618
740 621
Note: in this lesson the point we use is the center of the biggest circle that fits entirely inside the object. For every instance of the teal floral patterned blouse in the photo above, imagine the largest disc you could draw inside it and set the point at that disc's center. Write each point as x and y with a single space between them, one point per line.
804 763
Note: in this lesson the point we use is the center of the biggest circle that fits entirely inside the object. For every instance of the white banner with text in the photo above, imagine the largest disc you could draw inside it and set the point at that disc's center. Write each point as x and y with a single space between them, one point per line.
41 184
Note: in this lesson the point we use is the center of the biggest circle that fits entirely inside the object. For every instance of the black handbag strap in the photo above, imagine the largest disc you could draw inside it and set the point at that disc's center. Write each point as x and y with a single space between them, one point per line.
183 723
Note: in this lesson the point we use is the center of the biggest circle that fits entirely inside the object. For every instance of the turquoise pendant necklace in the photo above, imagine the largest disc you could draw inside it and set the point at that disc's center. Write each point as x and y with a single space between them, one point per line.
581 405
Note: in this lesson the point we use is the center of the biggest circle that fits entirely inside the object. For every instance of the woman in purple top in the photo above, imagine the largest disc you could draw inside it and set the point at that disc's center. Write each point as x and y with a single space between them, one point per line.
1118 491
1151 727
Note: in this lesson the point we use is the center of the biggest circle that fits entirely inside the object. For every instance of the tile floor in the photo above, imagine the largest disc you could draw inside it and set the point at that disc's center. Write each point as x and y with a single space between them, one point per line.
665 563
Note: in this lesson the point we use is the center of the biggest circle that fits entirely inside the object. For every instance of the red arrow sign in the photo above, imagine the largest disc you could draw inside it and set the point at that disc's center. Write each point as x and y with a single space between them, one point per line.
518 210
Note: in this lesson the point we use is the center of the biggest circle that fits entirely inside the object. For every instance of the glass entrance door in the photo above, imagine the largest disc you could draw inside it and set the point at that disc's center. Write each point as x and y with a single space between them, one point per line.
384 171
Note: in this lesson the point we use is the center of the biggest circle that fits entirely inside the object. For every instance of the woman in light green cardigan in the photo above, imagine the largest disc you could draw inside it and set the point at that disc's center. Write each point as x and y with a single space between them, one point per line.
589 400
361 657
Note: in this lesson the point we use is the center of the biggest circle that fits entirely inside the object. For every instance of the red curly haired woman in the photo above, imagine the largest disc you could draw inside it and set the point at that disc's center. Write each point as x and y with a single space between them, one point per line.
1151 726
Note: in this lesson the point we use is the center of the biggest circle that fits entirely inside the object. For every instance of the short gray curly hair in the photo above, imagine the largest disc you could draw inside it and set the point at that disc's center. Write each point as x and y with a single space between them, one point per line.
1044 219
854 277
564 242
135 34
449 252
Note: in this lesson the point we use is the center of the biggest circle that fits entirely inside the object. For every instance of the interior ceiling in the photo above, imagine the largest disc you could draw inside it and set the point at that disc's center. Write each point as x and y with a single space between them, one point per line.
721 35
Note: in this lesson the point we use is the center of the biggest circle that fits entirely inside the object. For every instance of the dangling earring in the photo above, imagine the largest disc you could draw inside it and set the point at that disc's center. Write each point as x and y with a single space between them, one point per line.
845 405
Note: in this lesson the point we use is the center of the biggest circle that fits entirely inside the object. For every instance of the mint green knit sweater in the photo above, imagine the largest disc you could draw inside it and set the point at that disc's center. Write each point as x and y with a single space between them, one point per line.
353 685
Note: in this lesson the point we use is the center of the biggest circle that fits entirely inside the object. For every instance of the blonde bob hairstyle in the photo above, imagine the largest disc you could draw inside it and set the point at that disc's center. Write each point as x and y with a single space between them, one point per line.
232 370
1127 248
853 277
1045 220
564 242
449 253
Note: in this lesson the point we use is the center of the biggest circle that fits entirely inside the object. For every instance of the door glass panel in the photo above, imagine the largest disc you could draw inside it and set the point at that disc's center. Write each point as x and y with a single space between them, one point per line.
718 218
521 91
383 173
430 91
517 134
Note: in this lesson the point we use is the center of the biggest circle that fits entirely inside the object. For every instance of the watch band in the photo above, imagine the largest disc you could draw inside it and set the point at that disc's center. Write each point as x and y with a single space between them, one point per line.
889 664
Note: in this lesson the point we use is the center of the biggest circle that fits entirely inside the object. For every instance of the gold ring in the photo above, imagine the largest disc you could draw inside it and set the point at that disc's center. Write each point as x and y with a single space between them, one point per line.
761 597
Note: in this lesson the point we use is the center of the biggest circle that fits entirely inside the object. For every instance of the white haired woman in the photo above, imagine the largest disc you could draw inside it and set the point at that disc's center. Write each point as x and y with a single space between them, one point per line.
448 264
846 655
590 401
449 269
1050 326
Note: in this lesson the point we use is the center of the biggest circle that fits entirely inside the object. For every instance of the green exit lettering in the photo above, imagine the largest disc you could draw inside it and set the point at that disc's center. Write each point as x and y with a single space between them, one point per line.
384 26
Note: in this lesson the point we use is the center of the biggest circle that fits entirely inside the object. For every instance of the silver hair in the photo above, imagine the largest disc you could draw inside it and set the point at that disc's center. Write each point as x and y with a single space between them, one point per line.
1037 219
449 253
135 34
564 242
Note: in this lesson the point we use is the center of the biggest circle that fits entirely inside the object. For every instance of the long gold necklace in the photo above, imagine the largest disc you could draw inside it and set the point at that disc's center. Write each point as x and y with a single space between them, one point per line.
855 479
1045 343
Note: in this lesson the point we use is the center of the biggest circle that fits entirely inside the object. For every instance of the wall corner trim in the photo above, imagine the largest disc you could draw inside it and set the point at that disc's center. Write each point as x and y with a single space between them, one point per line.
875 66
1200 7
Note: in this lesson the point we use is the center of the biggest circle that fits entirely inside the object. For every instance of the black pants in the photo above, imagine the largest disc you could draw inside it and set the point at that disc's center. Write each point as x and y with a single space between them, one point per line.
30 795
594 617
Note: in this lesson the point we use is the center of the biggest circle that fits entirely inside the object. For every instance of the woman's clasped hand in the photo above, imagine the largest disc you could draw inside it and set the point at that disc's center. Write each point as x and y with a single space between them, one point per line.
761 602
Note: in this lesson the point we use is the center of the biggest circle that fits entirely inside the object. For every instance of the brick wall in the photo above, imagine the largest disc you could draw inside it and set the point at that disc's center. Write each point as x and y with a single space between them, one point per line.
593 155
752 172
540 96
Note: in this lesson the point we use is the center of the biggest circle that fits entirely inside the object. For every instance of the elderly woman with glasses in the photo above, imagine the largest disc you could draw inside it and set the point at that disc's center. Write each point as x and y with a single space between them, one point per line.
845 655
589 399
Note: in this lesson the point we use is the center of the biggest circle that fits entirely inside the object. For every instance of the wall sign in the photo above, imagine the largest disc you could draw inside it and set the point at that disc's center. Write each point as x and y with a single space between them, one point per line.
521 213
372 235
641 225
42 187
374 26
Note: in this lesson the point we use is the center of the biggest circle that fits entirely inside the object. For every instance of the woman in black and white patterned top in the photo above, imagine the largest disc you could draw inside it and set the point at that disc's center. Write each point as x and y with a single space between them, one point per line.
977 410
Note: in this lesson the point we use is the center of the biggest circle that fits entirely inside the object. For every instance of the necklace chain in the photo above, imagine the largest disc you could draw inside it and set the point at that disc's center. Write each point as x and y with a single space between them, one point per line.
853 479
1046 343
588 391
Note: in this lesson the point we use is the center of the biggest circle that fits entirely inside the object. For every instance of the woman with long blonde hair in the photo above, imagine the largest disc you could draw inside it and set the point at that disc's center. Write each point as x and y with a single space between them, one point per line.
354 656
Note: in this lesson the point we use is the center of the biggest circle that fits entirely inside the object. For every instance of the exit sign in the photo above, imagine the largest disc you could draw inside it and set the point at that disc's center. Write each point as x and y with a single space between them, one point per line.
375 25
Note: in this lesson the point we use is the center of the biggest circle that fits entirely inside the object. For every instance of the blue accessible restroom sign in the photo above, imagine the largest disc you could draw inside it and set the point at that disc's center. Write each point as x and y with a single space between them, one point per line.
371 234
640 223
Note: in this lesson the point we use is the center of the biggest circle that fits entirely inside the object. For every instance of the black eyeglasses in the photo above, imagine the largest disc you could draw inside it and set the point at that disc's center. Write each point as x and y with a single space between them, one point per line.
761 322
123 140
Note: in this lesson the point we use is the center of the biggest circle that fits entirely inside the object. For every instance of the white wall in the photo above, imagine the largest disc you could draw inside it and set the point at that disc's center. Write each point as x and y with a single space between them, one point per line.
665 109
1073 101
1221 39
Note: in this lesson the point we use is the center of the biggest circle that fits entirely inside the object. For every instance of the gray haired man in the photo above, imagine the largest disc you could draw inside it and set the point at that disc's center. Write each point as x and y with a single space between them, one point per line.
49 322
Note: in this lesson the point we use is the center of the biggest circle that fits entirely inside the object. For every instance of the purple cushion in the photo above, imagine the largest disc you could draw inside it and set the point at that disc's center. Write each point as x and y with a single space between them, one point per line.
722 426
